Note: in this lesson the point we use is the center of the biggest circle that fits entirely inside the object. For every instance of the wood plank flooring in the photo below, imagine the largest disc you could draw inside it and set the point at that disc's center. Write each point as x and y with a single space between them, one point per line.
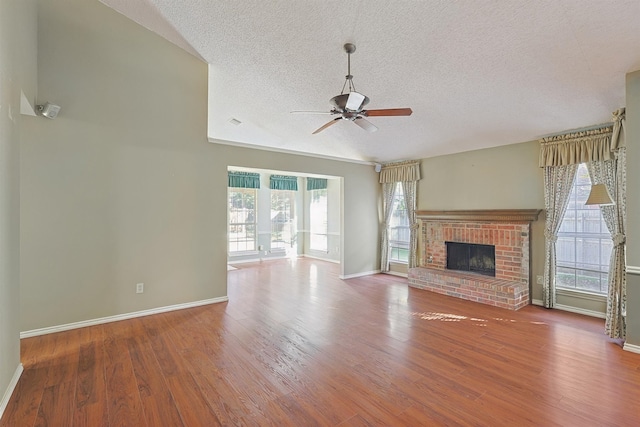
296 346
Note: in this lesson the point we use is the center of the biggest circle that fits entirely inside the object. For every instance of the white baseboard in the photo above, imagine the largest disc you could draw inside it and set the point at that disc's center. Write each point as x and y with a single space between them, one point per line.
353 276
631 347
320 258
396 273
118 317
571 309
232 261
580 311
12 386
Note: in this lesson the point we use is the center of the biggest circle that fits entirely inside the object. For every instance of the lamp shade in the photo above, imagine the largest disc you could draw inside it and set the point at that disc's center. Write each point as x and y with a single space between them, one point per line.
599 195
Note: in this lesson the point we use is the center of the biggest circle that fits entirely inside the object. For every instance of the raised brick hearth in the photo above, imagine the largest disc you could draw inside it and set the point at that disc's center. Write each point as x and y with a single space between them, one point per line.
472 287
507 230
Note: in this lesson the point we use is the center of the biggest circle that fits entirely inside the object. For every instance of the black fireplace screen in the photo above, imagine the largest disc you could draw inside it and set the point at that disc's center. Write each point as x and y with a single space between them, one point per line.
470 257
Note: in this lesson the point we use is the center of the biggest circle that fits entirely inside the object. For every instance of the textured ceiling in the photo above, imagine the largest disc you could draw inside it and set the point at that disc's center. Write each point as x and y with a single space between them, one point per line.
477 74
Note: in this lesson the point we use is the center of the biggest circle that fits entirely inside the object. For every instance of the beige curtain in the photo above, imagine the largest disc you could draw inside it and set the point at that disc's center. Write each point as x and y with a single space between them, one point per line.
612 173
603 150
577 147
409 190
388 192
560 156
558 181
400 172
407 173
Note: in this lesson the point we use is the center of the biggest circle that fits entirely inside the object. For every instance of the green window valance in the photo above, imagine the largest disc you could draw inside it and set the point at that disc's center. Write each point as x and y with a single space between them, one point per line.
244 179
316 184
283 182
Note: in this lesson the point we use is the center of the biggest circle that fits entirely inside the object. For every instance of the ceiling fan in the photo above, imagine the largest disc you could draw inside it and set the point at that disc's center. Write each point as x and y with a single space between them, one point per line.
349 106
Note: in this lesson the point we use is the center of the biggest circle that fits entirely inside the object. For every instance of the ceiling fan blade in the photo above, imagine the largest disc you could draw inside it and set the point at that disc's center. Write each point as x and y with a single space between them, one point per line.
312 112
388 112
365 124
326 125
354 102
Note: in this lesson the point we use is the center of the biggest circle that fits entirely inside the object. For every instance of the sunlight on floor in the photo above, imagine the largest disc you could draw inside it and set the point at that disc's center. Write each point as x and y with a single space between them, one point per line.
448 317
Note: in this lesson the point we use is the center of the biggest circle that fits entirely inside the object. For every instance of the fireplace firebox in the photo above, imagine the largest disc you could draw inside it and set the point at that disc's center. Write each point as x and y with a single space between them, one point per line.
470 257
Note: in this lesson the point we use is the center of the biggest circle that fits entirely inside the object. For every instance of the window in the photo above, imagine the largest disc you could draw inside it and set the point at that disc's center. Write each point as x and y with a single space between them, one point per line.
584 245
399 228
242 219
282 219
318 228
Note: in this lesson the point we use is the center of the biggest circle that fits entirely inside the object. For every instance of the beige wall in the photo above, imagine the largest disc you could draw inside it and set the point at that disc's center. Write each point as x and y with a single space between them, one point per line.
17 21
633 208
123 187
505 177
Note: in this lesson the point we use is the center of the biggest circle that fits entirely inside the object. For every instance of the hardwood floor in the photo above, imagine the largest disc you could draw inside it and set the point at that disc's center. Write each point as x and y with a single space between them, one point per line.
296 346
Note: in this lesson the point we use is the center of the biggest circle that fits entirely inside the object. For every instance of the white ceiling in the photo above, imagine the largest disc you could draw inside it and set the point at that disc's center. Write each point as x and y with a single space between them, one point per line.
476 73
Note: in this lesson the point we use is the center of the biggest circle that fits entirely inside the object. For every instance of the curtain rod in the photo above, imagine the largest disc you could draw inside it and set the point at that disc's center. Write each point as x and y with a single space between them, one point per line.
584 129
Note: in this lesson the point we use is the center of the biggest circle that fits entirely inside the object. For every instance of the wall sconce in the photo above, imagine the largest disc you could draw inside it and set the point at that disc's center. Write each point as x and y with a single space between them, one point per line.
599 195
48 110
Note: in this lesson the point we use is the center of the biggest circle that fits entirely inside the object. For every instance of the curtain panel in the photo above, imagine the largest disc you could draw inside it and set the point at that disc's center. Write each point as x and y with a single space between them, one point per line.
407 173
409 189
614 175
611 174
618 134
400 172
558 181
316 184
244 179
283 182
388 192
575 148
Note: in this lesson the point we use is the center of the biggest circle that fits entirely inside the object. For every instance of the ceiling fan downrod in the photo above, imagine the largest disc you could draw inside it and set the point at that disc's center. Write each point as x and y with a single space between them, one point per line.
349 48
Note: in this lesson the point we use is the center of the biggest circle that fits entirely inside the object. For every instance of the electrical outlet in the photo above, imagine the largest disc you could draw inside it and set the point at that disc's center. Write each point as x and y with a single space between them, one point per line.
139 288
539 280
261 248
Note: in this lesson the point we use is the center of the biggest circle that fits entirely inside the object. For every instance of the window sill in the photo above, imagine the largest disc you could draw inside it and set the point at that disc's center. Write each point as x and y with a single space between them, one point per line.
581 294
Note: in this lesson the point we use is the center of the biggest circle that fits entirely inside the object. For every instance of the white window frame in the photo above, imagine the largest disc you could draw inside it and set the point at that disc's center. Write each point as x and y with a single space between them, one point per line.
240 228
399 228
582 230
319 227
283 220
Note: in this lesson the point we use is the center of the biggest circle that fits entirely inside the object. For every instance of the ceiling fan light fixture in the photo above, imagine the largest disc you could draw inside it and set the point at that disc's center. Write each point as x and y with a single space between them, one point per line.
355 101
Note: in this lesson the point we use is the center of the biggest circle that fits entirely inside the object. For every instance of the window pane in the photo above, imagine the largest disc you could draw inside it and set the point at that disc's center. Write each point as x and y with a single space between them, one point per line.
242 219
399 230
566 277
318 227
584 244
588 280
282 219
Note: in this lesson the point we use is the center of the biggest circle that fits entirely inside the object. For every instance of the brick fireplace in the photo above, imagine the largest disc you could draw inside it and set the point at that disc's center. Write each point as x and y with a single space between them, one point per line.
507 230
